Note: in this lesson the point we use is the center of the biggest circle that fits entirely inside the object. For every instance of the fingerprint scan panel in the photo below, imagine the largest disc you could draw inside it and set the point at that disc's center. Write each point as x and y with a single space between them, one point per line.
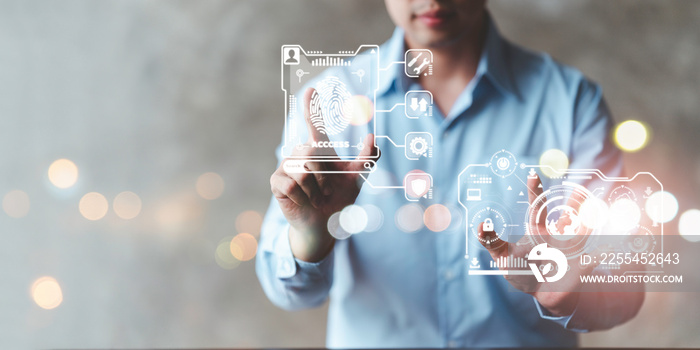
341 108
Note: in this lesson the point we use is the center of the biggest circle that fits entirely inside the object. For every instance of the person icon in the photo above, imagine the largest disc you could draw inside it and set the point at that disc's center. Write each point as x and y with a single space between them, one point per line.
291 56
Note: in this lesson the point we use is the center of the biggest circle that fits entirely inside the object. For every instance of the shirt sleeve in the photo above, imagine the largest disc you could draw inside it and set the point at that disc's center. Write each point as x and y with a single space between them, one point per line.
592 148
289 283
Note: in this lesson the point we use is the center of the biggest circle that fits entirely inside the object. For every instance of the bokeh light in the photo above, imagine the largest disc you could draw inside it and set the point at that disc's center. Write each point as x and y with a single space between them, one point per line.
624 215
334 227
63 173
375 217
244 246
631 136
361 110
437 218
249 221
223 255
127 205
178 213
553 162
409 218
661 206
93 206
210 186
47 293
457 215
353 219
594 213
16 203
689 225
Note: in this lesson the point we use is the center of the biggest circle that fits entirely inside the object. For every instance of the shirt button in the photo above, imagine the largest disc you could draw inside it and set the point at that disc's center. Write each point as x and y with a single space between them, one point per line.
445 134
451 344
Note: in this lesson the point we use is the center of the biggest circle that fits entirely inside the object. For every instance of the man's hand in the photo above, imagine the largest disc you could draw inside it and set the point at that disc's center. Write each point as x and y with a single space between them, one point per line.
559 298
309 199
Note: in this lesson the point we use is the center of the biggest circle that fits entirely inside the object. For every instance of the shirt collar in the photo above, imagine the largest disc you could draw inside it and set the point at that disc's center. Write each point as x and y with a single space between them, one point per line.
493 62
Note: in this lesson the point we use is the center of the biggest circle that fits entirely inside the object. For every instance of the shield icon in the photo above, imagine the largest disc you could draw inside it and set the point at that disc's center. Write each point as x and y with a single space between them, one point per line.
419 187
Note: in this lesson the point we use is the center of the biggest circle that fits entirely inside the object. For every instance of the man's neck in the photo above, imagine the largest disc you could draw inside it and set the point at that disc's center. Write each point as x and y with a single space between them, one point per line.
454 66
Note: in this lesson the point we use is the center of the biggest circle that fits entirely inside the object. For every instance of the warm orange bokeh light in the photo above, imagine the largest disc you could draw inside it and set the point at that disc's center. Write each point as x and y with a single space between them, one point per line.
63 173
16 203
210 186
127 205
47 293
631 136
437 218
244 246
93 206
249 221
361 110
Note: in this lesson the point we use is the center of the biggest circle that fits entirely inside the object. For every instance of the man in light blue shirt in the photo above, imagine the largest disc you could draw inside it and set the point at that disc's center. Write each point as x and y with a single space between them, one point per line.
395 289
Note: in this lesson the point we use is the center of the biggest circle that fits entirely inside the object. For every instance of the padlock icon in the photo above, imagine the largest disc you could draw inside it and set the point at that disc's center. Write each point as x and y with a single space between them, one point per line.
488 225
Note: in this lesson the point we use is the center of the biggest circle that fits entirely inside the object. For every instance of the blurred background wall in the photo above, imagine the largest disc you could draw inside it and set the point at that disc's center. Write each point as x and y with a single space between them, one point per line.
178 104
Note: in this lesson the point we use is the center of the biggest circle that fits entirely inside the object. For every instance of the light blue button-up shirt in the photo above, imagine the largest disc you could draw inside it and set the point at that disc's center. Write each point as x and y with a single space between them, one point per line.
394 289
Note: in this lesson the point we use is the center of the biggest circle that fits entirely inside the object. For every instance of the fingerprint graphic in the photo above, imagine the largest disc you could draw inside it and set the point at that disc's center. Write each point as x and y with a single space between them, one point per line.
329 106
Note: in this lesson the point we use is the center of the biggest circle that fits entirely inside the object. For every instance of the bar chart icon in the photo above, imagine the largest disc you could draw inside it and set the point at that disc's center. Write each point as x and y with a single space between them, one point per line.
510 261
330 62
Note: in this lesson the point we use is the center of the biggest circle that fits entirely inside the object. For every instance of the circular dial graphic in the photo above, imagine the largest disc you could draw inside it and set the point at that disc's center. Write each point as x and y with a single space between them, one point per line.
503 163
553 218
622 192
495 217
641 242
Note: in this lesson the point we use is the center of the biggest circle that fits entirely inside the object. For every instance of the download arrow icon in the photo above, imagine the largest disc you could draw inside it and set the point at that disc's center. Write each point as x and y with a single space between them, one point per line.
414 103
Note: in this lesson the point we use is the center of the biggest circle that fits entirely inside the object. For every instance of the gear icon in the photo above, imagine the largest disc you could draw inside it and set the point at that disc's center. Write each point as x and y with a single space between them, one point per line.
419 146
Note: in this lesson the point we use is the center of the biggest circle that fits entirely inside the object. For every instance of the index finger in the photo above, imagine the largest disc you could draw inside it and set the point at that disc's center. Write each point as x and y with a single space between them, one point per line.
534 190
313 116
490 240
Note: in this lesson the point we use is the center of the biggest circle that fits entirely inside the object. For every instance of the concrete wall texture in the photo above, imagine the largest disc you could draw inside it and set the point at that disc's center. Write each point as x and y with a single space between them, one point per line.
146 96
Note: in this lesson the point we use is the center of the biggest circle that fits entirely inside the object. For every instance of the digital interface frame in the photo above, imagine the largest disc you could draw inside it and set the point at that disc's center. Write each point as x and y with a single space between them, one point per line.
338 107
577 219
342 109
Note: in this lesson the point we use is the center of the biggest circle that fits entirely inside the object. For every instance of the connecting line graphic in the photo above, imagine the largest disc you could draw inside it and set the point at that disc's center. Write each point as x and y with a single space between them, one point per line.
526 186
389 110
373 186
586 171
391 64
390 140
